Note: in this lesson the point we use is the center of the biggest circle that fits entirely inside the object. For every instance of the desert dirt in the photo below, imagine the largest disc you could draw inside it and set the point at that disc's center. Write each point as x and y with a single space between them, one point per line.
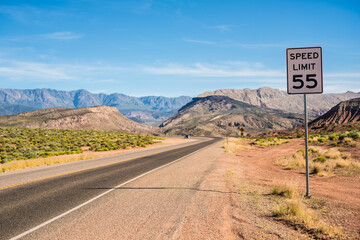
252 174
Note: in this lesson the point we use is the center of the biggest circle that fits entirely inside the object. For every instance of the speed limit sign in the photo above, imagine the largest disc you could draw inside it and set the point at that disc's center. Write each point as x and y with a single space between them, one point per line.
304 76
304 70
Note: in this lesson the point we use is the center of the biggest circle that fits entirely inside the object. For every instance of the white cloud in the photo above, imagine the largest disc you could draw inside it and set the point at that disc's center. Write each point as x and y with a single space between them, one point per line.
199 41
62 35
38 71
212 70
343 75
224 28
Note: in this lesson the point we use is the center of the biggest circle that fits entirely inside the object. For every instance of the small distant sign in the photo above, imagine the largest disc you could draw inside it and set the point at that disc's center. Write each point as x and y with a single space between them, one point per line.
304 70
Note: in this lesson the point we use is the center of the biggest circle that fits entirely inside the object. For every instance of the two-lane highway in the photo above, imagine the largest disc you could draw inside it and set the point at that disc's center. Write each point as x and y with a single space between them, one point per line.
26 206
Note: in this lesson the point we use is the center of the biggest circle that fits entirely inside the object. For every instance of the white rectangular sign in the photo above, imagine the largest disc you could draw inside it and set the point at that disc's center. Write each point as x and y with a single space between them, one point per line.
304 70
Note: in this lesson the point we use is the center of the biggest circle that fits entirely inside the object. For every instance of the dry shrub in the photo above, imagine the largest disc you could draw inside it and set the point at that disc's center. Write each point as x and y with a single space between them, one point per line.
294 210
21 164
233 144
292 162
230 147
289 190
349 141
321 162
342 163
332 153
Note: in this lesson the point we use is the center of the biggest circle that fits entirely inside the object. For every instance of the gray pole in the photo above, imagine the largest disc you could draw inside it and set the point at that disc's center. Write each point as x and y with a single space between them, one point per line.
308 195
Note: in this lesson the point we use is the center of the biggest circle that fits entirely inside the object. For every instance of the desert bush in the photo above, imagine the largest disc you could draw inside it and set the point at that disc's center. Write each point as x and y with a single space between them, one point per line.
294 208
333 137
288 190
28 143
321 162
354 135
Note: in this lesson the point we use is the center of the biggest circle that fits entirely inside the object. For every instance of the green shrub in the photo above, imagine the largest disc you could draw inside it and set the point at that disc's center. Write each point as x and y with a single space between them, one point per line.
320 159
342 136
354 135
333 137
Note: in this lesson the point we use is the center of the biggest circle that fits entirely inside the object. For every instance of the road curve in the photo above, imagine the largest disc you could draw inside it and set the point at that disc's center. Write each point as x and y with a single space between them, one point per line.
26 206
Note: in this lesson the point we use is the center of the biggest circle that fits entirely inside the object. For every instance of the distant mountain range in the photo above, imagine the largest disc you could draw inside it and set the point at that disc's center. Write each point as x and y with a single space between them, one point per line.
318 104
219 112
344 112
224 116
151 110
95 118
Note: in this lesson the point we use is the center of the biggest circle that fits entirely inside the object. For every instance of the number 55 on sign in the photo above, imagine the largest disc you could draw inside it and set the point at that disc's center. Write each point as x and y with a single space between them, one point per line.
304 70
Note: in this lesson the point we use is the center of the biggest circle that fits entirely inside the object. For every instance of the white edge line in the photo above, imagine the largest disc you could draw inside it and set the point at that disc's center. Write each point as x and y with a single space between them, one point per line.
99 196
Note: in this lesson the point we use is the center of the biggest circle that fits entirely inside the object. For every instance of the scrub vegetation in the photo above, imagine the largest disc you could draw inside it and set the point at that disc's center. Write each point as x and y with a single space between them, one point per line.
232 145
269 141
295 209
347 138
322 162
29 143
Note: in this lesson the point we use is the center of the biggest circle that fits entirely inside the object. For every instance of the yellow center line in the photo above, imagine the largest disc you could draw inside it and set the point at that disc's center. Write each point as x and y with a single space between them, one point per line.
85 169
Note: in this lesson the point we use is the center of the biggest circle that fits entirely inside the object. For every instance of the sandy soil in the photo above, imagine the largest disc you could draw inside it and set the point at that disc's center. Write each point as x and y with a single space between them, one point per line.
337 196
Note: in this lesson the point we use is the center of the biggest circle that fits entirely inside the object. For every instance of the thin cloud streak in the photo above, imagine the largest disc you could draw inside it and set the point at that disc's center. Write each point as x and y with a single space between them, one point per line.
342 75
224 28
62 35
206 70
37 71
199 41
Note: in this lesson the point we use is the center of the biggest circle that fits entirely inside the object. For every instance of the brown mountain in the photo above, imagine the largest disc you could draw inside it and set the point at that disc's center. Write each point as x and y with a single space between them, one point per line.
221 115
318 104
344 112
96 118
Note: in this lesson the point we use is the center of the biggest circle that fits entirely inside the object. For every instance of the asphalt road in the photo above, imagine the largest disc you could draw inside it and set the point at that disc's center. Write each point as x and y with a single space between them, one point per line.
26 206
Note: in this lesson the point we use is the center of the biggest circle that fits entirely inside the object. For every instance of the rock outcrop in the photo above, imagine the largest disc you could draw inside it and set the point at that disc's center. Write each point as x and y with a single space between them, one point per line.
344 112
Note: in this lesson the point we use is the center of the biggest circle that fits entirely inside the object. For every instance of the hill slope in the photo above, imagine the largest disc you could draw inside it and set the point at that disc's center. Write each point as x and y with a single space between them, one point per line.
221 115
318 104
155 108
96 118
344 112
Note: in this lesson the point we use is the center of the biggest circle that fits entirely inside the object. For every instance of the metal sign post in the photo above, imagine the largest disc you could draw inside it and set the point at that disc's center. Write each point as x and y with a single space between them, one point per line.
306 149
304 76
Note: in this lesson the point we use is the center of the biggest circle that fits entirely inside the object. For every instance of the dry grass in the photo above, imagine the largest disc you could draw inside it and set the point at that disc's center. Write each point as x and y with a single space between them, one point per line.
21 164
321 162
232 145
293 208
295 211
289 190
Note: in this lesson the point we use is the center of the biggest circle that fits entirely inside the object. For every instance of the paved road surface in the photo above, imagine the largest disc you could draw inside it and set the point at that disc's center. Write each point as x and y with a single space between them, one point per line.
26 206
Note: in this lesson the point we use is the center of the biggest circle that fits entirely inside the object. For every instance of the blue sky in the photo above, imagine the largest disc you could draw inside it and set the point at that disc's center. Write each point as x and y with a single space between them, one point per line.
173 48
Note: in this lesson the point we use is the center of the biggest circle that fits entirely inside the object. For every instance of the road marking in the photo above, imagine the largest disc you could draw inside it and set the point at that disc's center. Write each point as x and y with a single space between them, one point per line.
84 169
102 194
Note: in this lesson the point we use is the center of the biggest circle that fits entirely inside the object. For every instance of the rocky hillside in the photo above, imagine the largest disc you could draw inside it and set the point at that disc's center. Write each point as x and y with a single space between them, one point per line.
344 112
318 104
96 118
155 108
221 115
